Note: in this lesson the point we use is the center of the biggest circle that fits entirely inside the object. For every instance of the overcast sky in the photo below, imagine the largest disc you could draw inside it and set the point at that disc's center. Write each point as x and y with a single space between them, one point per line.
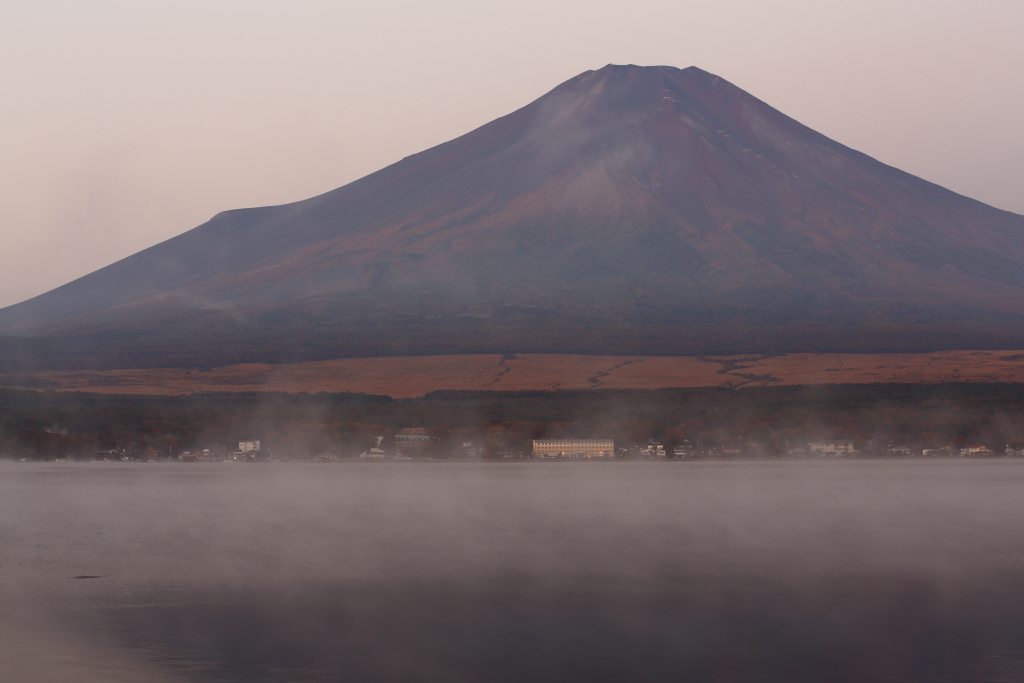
125 123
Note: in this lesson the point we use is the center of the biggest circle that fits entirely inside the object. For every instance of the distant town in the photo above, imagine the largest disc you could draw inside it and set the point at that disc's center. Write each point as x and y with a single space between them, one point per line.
416 443
825 422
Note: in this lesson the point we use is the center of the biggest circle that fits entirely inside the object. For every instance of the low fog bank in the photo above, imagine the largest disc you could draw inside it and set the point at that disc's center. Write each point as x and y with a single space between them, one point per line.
792 570
519 572
136 523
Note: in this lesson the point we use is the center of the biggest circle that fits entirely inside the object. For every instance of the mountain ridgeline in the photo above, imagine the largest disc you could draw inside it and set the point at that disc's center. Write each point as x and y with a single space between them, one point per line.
631 210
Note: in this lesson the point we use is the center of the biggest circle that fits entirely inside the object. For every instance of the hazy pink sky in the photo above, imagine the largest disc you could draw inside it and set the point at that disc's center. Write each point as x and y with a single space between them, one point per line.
125 123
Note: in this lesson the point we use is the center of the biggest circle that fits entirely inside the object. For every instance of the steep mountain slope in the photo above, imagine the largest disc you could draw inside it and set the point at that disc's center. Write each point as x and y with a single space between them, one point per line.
630 210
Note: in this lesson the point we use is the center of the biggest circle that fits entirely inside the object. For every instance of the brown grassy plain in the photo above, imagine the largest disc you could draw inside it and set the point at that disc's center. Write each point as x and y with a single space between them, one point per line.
410 376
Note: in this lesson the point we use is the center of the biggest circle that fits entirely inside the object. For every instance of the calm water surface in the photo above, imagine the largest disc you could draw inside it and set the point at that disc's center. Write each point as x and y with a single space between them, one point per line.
790 571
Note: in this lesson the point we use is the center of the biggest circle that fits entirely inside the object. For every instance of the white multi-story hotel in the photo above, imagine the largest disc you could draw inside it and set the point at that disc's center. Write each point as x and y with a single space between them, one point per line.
574 448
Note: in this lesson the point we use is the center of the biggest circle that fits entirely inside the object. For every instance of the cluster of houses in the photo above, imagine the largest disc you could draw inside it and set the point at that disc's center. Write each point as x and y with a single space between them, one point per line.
846 449
247 451
654 450
417 443
411 443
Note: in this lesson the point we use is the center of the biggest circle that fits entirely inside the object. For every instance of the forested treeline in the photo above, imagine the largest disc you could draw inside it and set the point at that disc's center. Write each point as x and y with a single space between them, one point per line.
763 421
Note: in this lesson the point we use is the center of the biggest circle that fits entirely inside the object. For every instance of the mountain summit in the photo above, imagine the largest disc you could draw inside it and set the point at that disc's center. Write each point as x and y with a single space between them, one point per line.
630 210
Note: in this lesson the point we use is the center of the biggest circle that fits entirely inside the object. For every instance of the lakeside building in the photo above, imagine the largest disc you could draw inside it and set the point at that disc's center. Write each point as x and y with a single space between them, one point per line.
836 448
654 450
374 453
247 450
194 455
414 442
574 448
728 449
472 451
683 450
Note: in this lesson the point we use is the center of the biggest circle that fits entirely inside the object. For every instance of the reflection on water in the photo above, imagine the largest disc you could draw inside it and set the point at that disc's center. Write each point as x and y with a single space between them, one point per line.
801 571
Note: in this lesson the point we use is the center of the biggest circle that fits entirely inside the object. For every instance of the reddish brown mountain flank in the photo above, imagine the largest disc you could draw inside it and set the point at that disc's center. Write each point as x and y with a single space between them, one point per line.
631 210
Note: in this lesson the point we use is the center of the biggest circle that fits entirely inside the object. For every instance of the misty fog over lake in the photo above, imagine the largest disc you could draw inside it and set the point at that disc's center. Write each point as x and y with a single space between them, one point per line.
710 571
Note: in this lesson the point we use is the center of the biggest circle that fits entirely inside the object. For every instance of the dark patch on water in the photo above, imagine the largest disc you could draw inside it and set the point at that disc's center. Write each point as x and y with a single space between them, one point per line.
90 576
838 629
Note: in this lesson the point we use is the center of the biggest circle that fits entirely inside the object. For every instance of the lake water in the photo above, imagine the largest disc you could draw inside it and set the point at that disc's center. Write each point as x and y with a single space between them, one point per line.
781 571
